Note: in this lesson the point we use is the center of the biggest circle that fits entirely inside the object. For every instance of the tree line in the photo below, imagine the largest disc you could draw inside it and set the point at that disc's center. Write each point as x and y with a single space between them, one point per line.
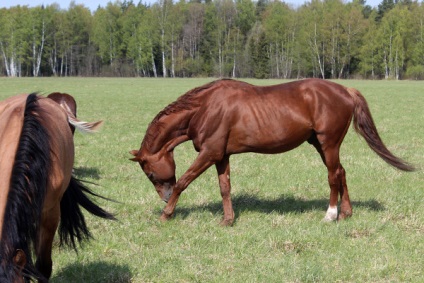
216 38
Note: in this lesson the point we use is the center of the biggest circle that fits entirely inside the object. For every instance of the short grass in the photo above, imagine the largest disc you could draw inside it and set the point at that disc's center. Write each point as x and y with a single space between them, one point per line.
279 200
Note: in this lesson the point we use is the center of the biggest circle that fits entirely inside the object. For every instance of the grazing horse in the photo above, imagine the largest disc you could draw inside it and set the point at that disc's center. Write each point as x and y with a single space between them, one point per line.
68 103
37 189
227 117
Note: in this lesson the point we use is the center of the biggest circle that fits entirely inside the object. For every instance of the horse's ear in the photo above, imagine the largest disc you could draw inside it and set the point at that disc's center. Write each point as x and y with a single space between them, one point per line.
20 259
135 154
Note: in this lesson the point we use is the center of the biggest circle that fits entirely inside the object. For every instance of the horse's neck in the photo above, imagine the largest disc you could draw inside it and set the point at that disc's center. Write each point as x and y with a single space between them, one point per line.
166 129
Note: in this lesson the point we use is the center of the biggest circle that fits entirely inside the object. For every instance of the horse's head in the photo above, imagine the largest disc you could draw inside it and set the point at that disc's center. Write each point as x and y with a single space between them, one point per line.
159 168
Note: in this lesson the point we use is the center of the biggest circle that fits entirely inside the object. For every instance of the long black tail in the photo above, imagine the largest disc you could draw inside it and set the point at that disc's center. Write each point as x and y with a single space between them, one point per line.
26 195
364 125
72 227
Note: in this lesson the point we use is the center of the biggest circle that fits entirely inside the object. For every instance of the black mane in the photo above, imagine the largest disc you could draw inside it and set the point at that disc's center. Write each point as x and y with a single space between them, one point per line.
26 193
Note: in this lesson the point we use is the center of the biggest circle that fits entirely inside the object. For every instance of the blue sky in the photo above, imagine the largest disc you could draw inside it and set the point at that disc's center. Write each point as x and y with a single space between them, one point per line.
93 4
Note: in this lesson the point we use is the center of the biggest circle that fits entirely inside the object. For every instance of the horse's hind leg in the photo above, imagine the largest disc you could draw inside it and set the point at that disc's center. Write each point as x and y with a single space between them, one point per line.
223 169
336 180
49 224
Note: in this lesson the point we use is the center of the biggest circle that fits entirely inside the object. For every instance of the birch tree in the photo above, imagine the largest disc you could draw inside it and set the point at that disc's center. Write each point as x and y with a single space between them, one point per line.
40 20
193 32
312 16
108 34
416 64
394 30
281 31
13 39
162 10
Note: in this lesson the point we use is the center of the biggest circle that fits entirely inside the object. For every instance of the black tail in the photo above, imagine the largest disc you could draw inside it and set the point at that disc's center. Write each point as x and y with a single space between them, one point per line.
27 191
72 227
364 125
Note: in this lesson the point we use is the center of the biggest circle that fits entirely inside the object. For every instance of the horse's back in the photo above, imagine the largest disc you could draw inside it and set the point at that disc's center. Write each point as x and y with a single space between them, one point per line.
269 119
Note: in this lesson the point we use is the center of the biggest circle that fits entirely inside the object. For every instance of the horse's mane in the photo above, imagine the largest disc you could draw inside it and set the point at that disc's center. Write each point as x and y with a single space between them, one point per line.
188 101
27 191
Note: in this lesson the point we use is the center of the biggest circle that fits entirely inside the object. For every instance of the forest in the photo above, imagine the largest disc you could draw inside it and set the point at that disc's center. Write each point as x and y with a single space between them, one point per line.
216 38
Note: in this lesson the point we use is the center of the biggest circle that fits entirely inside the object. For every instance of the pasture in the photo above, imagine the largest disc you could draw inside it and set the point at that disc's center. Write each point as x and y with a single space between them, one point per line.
279 200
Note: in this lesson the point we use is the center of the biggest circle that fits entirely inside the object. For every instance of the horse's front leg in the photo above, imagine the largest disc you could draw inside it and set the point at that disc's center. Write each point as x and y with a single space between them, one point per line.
223 168
202 162
49 224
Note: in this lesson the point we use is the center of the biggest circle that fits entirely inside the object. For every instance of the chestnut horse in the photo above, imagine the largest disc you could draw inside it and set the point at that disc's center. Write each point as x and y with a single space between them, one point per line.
37 189
68 103
226 117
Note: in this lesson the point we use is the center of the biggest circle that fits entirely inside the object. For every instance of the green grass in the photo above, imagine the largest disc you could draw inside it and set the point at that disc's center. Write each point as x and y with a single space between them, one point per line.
279 200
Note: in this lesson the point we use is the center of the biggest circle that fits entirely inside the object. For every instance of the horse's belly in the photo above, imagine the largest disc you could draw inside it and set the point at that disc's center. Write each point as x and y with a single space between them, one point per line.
268 140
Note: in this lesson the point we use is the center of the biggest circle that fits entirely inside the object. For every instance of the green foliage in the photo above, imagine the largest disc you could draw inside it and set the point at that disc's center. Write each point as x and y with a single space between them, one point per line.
279 200
259 56
322 38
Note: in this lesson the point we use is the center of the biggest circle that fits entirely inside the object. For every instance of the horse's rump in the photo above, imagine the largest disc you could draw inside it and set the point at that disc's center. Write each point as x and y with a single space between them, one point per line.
28 183
37 156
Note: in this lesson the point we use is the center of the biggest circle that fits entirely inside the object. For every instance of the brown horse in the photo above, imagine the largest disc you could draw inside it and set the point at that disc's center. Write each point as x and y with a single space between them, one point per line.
37 190
226 117
68 103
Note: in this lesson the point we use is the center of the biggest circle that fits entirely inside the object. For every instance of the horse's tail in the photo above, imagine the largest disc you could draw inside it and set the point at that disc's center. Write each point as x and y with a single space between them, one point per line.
85 127
364 125
72 225
28 180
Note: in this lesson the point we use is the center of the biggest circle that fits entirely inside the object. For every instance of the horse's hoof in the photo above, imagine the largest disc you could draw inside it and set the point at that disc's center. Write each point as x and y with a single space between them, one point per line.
328 219
226 222
164 217
345 214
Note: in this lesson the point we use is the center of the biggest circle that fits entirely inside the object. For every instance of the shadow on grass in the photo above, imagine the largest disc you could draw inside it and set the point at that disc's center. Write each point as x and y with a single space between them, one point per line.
283 204
94 272
85 172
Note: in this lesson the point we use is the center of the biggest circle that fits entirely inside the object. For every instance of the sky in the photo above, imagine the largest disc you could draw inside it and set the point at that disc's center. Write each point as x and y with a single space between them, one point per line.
93 4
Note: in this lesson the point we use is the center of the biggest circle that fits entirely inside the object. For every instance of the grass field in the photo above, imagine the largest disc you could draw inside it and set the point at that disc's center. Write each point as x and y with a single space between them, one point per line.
279 200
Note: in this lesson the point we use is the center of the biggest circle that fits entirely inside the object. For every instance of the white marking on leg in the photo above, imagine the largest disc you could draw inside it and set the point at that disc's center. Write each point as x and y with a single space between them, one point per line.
331 214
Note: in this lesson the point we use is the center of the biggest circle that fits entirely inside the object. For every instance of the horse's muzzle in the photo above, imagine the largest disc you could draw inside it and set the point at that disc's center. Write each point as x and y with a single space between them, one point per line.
167 191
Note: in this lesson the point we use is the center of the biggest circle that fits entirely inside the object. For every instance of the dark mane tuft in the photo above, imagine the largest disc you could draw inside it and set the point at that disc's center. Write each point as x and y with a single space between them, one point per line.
27 191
